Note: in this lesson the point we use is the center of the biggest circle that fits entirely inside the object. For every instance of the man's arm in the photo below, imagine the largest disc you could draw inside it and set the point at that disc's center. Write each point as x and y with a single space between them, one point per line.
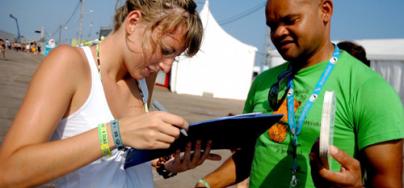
224 176
233 170
384 163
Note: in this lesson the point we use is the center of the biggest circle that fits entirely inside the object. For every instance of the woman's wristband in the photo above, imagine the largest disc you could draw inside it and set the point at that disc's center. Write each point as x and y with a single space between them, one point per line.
116 134
103 138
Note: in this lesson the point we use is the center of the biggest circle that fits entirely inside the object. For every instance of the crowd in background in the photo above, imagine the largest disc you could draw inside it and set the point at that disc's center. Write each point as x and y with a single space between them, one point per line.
30 47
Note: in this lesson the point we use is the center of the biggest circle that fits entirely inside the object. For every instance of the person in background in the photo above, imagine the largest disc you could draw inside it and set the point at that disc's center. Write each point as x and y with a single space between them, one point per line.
28 47
34 48
355 50
3 48
84 106
8 44
51 44
369 118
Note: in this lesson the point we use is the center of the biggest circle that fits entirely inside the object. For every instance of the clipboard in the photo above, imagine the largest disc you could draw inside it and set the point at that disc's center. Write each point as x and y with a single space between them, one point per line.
228 132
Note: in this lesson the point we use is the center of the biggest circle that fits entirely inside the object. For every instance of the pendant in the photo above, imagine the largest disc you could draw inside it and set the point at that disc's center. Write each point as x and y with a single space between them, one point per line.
278 132
293 181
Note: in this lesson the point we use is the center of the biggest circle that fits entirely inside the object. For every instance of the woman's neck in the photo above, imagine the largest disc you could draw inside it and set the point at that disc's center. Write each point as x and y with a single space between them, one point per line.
111 58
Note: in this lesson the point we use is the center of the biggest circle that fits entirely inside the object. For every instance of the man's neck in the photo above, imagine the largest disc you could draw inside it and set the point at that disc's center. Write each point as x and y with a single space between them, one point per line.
322 54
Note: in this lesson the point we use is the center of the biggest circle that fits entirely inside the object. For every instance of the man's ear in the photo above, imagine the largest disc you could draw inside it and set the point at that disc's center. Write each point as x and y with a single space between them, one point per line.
327 8
131 20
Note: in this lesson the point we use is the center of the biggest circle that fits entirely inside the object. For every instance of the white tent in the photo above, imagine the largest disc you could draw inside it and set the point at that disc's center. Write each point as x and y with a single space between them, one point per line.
386 57
222 68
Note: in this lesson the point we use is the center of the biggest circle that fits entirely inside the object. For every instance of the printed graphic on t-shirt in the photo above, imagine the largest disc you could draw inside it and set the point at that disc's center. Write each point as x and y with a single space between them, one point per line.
278 132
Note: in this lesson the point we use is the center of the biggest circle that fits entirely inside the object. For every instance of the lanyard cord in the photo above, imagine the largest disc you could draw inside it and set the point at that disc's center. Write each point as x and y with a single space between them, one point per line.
296 127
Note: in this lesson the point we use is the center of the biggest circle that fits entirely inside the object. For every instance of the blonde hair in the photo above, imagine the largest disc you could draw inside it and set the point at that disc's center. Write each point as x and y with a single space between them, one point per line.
167 15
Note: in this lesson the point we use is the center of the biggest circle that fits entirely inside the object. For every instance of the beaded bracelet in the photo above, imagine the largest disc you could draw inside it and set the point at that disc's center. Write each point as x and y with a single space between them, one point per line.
116 134
103 138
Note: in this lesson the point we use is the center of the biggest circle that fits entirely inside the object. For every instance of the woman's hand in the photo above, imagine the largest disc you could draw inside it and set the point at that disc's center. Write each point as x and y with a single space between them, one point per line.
349 176
152 130
189 159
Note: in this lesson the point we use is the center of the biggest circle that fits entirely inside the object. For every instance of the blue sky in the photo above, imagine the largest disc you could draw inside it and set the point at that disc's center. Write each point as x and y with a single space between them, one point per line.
353 19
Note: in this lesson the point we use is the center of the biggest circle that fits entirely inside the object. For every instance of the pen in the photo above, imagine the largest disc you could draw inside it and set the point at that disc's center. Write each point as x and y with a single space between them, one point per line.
184 132
160 107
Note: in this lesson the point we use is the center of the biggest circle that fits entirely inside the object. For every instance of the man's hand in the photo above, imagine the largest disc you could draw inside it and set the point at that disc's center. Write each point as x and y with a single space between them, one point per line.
189 159
349 175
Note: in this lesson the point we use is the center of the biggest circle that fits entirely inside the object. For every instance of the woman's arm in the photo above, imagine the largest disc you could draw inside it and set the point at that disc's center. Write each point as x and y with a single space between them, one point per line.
26 156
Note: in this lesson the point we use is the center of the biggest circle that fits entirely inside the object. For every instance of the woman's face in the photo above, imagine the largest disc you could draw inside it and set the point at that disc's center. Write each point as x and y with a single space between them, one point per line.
170 45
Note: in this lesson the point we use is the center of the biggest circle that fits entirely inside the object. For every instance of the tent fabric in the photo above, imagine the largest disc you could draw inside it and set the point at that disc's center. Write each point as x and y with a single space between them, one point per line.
383 49
393 72
222 68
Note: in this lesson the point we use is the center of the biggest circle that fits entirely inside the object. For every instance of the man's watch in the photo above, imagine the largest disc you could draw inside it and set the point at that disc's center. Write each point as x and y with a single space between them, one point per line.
161 169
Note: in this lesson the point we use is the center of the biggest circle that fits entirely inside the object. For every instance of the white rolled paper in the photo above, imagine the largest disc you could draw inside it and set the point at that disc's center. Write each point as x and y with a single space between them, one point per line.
327 127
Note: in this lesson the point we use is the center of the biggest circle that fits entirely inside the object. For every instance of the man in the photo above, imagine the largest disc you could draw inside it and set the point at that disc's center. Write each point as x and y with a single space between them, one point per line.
369 122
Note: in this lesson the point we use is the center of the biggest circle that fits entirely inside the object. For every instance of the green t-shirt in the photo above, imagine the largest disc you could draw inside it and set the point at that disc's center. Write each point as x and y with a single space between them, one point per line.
368 111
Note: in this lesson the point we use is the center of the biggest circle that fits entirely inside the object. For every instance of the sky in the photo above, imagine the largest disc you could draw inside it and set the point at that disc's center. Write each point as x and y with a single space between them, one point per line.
243 19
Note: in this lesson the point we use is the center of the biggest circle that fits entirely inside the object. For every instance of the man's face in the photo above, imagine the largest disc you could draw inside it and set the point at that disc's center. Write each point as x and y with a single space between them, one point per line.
297 29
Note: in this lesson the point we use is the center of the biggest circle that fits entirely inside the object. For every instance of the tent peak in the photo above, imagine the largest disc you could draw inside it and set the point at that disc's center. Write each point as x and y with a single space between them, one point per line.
206 5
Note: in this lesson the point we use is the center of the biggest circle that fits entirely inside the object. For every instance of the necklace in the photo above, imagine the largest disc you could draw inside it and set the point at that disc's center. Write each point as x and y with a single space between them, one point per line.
142 86
97 53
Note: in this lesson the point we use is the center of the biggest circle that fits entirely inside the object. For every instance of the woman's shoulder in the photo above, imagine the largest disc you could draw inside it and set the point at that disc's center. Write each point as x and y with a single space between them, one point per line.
65 53
65 63
66 57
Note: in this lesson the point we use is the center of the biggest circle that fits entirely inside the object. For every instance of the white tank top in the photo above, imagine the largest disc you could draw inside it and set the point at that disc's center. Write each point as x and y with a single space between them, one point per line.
105 172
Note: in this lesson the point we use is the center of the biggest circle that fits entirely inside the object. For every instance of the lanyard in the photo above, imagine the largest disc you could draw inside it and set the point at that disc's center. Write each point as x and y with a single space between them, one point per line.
296 127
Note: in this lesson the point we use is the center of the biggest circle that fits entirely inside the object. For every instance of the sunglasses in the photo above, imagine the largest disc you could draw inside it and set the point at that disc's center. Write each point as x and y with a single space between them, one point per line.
274 99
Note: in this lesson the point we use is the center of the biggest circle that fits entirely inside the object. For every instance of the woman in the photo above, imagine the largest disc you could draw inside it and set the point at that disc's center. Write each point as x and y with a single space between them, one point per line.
79 96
